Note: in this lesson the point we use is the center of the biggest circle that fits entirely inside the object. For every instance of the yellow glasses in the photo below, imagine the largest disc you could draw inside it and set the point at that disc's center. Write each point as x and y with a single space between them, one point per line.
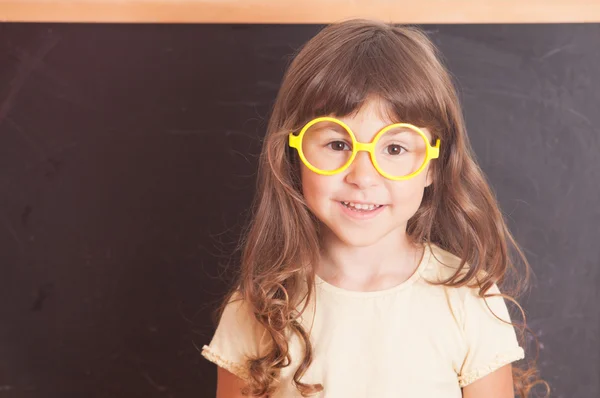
399 151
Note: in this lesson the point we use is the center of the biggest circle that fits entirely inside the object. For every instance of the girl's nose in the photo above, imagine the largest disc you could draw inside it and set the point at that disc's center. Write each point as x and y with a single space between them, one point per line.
362 172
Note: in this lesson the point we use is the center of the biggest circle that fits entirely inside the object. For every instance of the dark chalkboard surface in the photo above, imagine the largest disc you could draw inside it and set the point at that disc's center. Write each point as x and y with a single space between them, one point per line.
127 165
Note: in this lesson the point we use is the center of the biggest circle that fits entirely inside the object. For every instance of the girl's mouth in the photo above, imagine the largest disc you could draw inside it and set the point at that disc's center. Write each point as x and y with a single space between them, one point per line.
361 207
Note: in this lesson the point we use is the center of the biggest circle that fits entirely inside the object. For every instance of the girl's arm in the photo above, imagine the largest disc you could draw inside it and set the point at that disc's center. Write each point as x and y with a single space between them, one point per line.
229 385
498 384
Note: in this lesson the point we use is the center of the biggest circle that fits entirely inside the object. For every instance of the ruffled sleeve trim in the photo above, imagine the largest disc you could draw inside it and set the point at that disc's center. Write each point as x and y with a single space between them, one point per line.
501 360
233 367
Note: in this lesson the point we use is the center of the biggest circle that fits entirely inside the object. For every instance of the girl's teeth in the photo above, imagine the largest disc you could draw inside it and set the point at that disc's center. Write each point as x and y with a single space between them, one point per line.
360 206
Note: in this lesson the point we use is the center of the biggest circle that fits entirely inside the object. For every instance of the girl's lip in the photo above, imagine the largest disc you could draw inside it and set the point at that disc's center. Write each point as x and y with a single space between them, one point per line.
360 215
359 202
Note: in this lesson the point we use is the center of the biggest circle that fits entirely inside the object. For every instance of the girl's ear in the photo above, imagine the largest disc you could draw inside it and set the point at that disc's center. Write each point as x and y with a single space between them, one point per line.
429 179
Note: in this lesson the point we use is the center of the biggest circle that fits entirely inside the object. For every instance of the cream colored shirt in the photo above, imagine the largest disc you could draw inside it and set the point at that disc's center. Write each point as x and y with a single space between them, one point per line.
413 340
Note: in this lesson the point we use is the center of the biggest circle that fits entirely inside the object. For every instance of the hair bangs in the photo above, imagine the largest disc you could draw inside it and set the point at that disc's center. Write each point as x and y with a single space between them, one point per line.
371 68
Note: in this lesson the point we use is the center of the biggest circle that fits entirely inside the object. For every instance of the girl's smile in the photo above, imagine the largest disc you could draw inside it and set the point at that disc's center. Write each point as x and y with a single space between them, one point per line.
359 211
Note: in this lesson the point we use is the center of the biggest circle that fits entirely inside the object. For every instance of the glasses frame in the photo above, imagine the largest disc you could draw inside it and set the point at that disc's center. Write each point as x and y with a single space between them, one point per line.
295 141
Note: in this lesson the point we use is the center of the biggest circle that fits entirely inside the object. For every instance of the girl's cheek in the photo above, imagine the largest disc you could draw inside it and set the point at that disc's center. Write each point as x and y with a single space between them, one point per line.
315 187
408 192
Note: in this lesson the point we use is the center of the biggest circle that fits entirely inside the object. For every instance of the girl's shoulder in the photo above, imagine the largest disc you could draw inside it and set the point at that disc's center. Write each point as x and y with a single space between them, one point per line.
443 266
464 299
487 332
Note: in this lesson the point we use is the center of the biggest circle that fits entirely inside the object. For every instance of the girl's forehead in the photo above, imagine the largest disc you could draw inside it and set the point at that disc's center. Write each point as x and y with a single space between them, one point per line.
371 117
373 111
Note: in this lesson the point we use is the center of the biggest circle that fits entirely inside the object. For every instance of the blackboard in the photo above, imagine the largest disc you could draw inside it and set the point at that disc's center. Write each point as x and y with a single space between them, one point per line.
127 166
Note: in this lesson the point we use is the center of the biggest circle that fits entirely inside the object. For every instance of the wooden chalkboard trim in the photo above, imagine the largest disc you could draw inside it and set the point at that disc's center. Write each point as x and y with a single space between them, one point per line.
300 11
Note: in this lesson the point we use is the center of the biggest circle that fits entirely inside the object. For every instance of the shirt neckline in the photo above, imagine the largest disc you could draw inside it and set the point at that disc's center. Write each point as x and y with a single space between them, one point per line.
322 284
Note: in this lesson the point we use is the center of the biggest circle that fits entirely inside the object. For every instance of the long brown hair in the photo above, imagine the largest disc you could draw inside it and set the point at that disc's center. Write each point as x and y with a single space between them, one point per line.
333 74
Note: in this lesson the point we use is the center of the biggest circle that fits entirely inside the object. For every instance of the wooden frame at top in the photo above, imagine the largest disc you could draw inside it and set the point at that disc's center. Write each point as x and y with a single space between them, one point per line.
300 11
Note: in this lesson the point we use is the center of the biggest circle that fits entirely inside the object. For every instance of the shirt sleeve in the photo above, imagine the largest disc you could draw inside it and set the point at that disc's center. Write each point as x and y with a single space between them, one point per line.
491 343
238 337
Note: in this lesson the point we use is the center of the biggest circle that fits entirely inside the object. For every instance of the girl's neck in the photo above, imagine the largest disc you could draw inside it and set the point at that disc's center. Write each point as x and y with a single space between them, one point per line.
387 263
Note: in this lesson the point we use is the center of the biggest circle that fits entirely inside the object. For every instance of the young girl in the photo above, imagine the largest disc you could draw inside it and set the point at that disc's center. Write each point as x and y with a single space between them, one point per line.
371 264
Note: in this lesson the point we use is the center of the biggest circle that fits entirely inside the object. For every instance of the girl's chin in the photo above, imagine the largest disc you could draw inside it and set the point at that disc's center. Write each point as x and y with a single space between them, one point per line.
357 237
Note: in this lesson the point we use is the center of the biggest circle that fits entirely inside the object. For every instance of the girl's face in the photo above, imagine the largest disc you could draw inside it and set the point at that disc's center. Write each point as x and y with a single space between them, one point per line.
361 183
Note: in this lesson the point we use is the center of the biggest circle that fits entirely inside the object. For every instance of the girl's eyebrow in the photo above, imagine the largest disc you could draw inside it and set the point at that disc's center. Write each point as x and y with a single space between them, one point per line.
396 131
329 126
403 131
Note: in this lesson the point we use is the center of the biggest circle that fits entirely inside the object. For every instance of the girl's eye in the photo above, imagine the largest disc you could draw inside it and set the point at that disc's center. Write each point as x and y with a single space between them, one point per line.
395 149
339 146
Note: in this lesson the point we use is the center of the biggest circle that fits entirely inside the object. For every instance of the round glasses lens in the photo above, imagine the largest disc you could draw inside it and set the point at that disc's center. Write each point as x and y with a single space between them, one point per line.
400 151
327 146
